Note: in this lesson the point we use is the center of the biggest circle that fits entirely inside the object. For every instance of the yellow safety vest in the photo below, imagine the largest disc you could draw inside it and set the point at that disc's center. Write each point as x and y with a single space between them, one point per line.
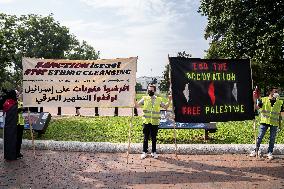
151 112
21 120
270 115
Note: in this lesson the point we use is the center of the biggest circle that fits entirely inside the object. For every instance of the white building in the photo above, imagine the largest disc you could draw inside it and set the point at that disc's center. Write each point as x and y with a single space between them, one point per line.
145 81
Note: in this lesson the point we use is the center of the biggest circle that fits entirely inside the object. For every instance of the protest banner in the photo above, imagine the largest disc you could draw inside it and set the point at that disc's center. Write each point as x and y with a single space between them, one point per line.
79 83
207 90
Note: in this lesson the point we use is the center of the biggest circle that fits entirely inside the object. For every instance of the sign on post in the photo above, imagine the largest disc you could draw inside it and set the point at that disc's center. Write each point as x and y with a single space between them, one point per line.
79 83
207 90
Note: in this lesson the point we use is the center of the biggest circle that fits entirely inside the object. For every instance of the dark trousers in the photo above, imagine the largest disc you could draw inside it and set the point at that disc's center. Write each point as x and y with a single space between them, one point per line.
150 130
20 129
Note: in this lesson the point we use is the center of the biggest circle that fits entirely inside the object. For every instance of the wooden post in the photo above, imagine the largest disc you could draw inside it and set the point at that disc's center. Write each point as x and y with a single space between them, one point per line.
175 132
96 111
135 112
116 111
175 135
206 134
129 134
59 111
254 121
130 126
255 137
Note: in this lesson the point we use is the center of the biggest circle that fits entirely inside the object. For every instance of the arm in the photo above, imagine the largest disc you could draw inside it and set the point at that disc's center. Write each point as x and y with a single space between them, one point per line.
166 106
258 104
138 104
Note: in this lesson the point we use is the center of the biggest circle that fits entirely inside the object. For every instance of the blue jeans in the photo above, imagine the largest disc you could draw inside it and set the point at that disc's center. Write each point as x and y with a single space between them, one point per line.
262 130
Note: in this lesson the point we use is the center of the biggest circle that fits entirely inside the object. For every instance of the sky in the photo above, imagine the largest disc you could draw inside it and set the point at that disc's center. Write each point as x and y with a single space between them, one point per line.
149 29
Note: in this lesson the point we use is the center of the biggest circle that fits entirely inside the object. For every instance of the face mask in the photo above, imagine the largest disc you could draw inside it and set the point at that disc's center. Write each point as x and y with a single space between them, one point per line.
151 93
275 95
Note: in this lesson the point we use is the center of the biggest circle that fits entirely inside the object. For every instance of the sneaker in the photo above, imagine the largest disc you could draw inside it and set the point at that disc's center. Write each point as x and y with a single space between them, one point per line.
253 153
154 155
143 155
270 156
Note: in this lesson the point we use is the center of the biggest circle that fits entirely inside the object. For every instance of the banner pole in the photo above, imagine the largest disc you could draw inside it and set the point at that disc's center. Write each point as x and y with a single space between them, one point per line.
129 133
4 116
255 138
31 130
131 122
254 120
175 133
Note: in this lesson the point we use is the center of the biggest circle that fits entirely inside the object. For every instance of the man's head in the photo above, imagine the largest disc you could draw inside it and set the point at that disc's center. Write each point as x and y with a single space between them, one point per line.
273 92
12 94
151 90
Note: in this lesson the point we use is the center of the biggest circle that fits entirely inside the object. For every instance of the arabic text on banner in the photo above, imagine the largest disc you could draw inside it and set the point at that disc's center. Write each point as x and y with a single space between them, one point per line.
79 83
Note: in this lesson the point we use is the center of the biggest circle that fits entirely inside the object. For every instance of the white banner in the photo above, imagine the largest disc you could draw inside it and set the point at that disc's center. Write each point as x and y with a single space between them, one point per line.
79 83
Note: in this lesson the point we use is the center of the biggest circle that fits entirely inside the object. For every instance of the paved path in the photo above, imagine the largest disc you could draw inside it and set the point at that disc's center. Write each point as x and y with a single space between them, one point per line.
63 169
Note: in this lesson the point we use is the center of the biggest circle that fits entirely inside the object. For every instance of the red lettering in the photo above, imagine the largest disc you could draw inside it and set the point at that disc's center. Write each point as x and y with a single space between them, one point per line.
39 64
191 110
200 66
35 71
194 66
220 67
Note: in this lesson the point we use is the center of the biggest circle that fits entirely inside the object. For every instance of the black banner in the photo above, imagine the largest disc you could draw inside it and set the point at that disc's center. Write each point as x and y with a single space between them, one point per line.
208 90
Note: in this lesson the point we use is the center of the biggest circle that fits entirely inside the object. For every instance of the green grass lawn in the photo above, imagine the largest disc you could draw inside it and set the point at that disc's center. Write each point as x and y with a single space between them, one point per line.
115 129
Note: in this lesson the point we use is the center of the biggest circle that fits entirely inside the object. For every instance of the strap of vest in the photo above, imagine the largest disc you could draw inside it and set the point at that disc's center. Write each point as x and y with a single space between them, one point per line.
153 112
269 117
153 117
269 112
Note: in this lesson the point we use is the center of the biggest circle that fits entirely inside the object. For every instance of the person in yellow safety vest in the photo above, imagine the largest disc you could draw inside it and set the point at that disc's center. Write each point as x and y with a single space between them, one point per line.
271 112
151 106
20 126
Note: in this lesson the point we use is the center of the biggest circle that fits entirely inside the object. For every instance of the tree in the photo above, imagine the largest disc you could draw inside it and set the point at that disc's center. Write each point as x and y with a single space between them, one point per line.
82 51
138 87
248 29
8 43
183 54
165 84
38 37
42 37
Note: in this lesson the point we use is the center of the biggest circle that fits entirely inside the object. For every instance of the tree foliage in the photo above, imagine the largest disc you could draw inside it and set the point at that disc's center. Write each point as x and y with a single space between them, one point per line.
138 87
184 54
248 29
8 43
165 84
37 37
82 51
